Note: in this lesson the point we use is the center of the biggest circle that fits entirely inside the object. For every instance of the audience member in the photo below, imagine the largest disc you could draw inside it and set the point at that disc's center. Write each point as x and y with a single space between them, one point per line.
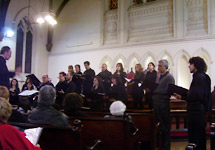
44 113
72 105
10 137
16 116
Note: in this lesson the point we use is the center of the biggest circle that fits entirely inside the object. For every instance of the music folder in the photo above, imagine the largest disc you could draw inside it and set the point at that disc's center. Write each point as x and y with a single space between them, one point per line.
149 84
172 88
34 80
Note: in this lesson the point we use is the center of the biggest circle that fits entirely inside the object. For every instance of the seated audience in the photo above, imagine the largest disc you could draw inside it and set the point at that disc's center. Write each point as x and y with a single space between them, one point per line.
10 137
44 113
117 108
15 116
24 104
72 105
14 92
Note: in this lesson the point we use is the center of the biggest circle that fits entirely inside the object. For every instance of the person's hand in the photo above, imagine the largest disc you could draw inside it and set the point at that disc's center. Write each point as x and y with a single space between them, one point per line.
62 92
177 96
18 70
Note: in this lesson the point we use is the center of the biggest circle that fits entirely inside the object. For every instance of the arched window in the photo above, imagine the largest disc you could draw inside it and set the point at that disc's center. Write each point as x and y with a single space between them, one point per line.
184 76
24 42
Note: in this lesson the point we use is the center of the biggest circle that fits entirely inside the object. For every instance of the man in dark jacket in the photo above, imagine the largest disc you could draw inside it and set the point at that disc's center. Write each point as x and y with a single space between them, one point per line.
198 102
4 73
106 76
44 113
89 74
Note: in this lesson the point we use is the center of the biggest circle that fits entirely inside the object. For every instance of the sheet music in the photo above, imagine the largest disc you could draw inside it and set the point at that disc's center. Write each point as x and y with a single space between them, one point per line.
33 134
28 92
128 80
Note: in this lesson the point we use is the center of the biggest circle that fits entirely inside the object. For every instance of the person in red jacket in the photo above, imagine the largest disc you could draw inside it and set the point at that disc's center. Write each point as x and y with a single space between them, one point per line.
10 137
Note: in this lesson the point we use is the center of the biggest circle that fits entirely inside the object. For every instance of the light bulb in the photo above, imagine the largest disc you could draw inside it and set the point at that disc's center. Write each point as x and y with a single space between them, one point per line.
48 18
9 33
40 20
52 22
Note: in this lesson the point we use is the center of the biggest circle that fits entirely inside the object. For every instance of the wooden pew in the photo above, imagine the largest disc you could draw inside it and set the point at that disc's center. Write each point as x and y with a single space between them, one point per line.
148 132
56 138
113 132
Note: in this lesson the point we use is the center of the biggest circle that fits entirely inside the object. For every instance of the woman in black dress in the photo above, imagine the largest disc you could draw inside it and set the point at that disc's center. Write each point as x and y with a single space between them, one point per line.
14 92
97 95
137 88
118 90
120 72
151 76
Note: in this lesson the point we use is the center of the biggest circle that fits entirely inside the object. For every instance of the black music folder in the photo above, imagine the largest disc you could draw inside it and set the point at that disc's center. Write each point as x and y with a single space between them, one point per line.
149 84
34 80
172 88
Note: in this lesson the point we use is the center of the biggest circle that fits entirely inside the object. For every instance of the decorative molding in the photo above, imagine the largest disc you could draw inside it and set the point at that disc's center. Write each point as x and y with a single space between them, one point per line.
151 22
110 26
196 17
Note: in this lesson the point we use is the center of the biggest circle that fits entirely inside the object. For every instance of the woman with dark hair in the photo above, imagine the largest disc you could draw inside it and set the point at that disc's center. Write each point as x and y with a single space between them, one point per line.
14 92
72 105
120 72
24 87
118 91
137 88
97 95
151 76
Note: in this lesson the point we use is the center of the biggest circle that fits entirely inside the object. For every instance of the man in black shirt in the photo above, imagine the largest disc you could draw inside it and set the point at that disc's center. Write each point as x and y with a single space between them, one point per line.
198 102
77 78
4 73
71 87
61 88
89 74
106 76
46 81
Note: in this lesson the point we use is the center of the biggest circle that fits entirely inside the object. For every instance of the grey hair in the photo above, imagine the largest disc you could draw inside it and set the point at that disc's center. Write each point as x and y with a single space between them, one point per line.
47 95
165 63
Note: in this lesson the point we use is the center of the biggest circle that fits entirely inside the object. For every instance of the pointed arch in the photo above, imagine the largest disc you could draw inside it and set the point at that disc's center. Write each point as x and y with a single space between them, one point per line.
119 59
203 53
108 61
168 57
148 57
183 76
132 60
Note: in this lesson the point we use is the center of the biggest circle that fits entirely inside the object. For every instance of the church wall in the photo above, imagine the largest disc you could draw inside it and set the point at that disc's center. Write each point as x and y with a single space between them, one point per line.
172 29
16 11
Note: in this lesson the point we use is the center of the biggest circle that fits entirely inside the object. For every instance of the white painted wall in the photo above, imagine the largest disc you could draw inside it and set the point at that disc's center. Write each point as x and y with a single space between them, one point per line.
16 11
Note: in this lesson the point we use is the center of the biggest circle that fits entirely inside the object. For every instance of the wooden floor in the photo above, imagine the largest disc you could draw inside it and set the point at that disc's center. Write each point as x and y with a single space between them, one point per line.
182 144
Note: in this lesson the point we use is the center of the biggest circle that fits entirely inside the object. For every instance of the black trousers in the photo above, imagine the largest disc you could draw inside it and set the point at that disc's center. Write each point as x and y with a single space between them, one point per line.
162 114
196 128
